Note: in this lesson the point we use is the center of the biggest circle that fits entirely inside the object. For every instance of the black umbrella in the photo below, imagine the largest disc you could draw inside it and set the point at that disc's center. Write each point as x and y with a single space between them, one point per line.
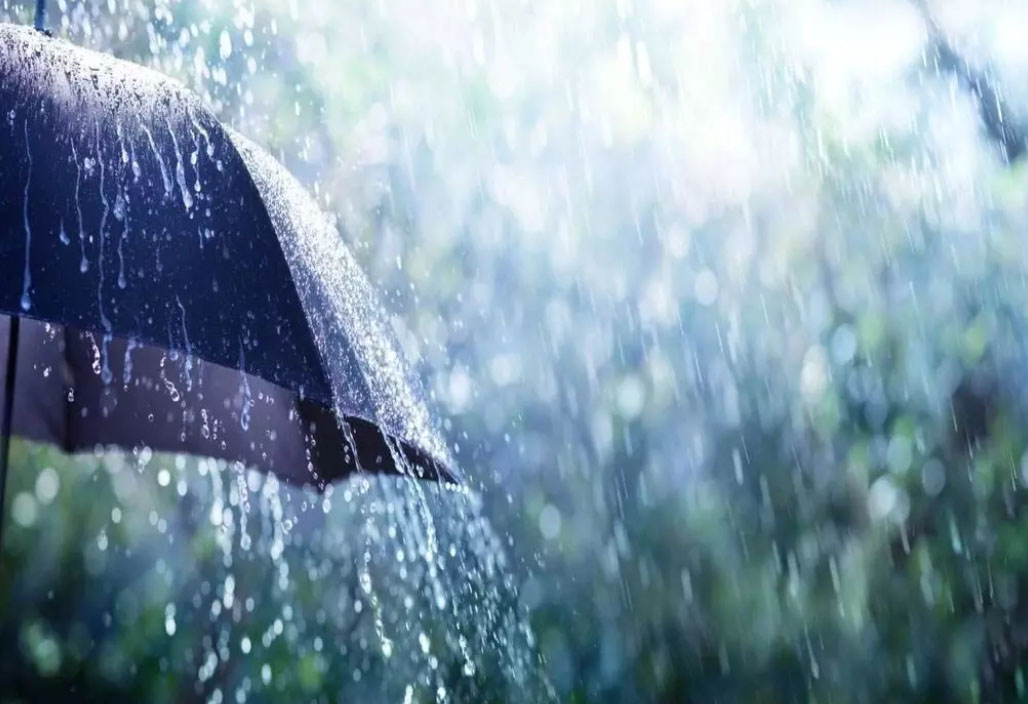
179 289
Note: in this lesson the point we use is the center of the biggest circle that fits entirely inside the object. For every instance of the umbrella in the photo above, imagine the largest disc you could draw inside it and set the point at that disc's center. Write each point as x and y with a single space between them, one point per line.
168 284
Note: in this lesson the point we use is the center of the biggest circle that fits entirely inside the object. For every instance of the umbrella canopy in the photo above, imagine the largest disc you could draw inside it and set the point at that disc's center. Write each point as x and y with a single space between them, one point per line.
180 289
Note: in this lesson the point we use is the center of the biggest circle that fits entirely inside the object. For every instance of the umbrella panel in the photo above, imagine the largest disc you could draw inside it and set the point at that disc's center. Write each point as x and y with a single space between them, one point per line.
82 391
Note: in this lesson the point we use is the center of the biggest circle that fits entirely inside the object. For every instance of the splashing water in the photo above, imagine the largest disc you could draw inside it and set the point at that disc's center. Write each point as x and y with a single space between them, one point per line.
26 300
169 187
122 213
180 172
443 550
343 311
407 608
188 368
102 233
247 395
84 263
127 363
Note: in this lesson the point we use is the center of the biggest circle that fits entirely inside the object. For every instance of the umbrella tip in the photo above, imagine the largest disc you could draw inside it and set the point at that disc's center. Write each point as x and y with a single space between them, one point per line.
40 21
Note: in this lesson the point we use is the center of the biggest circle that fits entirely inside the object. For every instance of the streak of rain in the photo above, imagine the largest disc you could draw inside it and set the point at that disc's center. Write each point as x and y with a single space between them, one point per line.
715 311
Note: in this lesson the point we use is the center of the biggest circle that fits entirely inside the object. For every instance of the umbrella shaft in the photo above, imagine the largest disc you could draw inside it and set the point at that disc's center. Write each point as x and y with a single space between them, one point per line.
5 431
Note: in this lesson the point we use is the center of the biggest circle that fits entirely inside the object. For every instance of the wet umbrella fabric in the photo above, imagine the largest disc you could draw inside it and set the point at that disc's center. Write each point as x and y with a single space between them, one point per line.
178 289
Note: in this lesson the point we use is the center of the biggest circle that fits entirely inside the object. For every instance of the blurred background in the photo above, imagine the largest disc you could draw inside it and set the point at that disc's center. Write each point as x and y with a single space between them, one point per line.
723 306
